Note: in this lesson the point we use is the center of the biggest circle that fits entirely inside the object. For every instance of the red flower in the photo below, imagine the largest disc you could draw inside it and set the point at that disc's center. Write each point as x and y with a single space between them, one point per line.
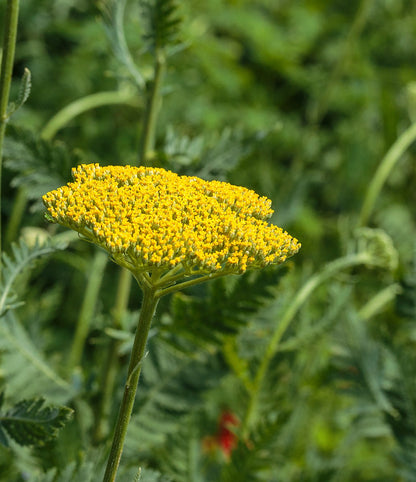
225 439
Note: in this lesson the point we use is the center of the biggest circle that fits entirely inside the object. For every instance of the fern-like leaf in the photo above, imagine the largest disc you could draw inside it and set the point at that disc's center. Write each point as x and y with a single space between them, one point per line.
149 475
13 267
363 363
113 17
25 87
211 157
181 458
24 92
40 164
24 368
31 423
162 23
219 311
171 386
91 469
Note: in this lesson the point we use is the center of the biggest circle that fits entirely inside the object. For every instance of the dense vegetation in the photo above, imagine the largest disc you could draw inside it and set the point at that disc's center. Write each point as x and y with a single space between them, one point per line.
305 372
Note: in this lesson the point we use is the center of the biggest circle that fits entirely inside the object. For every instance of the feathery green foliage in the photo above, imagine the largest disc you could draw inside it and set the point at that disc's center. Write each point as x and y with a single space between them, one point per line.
13 268
208 317
37 163
113 17
209 158
30 422
162 23
26 371
24 92
172 385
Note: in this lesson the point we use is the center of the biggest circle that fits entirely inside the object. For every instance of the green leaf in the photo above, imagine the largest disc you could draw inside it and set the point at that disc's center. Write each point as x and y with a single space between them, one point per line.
182 458
113 14
221 310
30 423
163 23
25 86
24 92
13 267
24 367
171 386
149 475
209 157
3 438
40 164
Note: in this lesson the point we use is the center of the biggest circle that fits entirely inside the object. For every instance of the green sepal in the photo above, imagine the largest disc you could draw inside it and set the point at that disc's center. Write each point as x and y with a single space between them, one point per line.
49 218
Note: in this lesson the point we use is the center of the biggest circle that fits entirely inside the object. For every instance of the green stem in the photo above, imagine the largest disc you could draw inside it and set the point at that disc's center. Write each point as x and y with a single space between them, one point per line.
146 146
9 45
130 388
147 139
109 369
18 209
379 301
87 309
79 106
385 167
186 284
329 270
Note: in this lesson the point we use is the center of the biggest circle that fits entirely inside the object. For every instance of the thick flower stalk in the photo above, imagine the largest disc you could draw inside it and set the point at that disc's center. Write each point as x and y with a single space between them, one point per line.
171 232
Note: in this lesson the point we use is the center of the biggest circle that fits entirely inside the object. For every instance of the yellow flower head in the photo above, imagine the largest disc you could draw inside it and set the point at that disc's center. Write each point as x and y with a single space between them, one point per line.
151 219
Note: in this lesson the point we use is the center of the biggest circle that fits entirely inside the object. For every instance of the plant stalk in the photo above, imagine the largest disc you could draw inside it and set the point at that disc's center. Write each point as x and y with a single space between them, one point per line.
150 299
79 106
327 272
130 388
87 308
18 209
147 139
385 167
110 366
9 45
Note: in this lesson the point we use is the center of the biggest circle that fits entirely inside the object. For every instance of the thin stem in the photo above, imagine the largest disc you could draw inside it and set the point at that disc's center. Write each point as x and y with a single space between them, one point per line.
87 308
79 106
379 301
187 284
328 271
385 167
18 209
109 369
147 139
146 146
130 388
9 44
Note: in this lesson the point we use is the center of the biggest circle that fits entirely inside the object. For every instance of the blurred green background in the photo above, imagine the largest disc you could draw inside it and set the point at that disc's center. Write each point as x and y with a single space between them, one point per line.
299 100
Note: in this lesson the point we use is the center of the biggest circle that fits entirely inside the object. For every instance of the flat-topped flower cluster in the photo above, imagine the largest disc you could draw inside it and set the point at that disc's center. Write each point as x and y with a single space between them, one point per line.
153 219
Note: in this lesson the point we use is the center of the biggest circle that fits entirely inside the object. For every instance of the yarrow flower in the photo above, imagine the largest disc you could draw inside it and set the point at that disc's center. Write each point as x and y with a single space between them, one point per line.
164 228
153 220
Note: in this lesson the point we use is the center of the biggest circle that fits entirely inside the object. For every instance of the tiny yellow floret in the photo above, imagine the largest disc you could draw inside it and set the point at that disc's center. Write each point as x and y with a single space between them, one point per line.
153 219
